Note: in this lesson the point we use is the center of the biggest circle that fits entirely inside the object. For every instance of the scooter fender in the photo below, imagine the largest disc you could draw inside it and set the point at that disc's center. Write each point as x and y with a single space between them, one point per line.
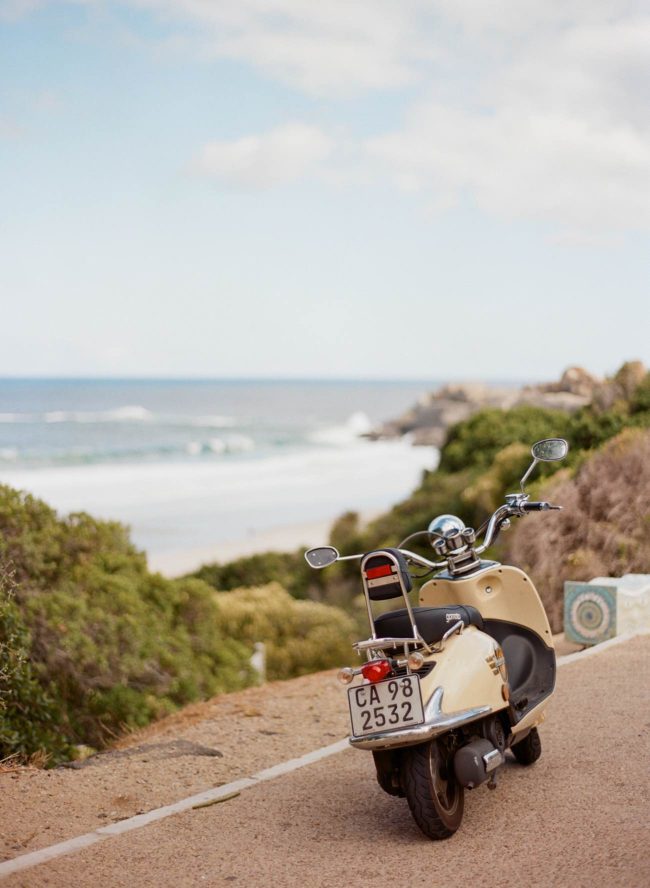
464 686
470 673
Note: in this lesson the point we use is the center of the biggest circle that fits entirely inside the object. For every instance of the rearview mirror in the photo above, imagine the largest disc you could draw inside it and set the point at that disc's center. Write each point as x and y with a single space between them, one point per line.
550 449
321 557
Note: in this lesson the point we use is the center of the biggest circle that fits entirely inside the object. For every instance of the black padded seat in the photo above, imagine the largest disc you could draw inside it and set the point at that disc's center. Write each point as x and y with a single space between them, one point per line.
432 622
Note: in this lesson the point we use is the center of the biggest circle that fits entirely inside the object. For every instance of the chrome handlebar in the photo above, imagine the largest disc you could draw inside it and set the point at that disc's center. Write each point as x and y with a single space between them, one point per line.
516 504
416 559
421 561
500 515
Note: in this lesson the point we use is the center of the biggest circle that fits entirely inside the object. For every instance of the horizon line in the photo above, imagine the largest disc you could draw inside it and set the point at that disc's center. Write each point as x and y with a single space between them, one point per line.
264 379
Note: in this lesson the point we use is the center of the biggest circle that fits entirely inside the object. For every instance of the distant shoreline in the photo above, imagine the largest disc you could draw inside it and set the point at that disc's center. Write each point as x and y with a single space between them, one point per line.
264 380
182 514
286 538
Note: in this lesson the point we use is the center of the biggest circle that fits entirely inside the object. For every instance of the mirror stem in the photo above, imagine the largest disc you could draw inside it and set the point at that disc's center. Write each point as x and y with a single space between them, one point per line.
530 469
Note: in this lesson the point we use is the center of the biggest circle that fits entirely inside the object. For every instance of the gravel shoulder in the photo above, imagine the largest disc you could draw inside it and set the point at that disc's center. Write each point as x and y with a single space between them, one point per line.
203 746
578 816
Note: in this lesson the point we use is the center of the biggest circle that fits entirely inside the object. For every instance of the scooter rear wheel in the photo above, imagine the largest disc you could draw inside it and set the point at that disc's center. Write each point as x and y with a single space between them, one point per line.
529 749
434 795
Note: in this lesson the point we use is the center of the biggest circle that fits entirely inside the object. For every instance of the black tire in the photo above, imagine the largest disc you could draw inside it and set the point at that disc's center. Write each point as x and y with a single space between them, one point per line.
388 776
434 795
529 749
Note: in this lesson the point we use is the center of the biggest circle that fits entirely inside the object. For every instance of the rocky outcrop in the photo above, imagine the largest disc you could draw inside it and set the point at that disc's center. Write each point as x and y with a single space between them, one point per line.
620 387
428 420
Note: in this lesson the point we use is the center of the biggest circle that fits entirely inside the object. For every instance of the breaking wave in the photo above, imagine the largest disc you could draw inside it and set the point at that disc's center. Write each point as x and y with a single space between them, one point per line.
129 413
357 425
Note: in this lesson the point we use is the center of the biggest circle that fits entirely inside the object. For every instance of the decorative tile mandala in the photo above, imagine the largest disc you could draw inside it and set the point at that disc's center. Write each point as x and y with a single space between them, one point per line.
589 612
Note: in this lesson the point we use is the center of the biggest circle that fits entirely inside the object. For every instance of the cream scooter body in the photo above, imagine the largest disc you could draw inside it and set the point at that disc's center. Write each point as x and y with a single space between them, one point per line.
505 667
452 683
506 596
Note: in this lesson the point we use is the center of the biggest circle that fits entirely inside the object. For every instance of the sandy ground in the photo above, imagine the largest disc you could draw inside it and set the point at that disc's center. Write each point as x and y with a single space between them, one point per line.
577 817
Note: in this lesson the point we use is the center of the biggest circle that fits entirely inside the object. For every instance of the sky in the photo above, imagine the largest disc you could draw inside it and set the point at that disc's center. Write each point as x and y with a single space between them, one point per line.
288 188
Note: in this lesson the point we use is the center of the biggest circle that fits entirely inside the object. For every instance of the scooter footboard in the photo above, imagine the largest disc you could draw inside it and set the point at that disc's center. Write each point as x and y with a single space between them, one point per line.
530 663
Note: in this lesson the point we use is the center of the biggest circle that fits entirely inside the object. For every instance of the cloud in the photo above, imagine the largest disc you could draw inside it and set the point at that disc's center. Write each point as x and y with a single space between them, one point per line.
280 156
553 126
332 48
526 109
519 162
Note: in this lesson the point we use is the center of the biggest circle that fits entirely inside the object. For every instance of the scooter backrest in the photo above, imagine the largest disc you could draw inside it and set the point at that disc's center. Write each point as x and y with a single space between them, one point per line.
385 574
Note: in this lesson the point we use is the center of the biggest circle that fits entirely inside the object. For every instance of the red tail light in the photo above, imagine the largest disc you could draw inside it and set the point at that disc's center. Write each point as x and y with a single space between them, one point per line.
376 670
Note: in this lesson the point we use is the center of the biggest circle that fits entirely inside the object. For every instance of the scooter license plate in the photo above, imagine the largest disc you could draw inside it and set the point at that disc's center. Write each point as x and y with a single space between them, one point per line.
386 705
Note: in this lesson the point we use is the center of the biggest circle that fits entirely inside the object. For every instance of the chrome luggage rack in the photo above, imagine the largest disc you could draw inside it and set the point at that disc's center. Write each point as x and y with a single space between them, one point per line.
384 644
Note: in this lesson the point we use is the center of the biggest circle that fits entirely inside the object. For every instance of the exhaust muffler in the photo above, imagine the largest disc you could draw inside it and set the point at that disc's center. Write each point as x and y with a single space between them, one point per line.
474 762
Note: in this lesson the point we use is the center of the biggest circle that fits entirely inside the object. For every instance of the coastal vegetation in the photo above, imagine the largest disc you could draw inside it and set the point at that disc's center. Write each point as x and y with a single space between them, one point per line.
93 644
482 458
604 528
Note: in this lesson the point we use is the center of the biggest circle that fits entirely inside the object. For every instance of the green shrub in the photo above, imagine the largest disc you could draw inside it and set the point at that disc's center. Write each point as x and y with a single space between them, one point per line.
28 717
603 530
474 443
289 569
300 636
640 400
112 645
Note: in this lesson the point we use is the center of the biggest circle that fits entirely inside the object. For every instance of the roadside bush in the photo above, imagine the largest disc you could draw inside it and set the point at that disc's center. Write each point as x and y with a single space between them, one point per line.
640 400
110 644
603 530
289 569
28 717
300 636
487 490
474 443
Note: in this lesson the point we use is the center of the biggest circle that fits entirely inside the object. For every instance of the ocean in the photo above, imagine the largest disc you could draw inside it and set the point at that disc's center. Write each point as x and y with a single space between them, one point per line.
192 464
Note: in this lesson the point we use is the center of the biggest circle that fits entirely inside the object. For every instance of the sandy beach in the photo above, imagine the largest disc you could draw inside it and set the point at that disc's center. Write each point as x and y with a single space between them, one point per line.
278 539
185 514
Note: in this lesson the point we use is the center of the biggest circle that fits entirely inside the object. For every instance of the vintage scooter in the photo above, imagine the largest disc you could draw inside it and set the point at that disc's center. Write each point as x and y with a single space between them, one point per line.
450 685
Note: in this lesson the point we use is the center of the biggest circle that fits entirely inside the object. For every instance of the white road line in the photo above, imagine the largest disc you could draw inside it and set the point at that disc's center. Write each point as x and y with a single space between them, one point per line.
43 855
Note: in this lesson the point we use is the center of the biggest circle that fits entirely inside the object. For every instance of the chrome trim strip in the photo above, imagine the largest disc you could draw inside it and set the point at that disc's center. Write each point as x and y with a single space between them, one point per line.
371 643
435 722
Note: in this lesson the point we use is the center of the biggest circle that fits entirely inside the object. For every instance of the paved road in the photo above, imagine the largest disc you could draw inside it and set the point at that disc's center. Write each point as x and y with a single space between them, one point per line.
578 817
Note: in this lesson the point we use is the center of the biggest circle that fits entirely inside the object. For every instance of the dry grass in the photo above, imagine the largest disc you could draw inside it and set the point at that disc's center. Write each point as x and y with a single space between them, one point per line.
9 764
603 530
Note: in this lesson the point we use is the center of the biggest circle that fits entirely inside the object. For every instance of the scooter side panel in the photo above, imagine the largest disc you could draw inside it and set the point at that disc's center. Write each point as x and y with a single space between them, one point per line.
463 672
501 593
533 718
